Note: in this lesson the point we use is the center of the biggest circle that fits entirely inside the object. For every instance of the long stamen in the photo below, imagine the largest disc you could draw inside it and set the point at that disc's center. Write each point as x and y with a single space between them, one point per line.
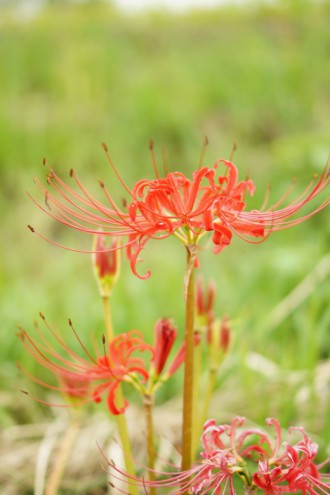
104 146
153 158
232 153
165 165
203 150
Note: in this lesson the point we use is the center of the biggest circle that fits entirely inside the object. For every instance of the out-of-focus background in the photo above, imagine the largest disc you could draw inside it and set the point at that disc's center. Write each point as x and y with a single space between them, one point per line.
74 74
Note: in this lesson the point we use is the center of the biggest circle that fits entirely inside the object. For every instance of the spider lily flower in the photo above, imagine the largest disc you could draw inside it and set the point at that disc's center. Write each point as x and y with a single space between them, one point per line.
88 378
106 263
253 456
174 205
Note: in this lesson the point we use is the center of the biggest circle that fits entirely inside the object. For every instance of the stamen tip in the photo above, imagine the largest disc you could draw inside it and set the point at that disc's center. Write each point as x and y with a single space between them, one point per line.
44 161
104 146
31 228
103 339
151 144
24 392
71 172
42 316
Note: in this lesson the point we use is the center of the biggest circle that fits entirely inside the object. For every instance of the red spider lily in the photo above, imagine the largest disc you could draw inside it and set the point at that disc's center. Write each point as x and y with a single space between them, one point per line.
174 205
294 469
88 378
280 468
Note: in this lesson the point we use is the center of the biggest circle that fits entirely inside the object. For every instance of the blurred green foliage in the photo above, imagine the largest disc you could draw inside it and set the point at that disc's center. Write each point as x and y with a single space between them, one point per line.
76 75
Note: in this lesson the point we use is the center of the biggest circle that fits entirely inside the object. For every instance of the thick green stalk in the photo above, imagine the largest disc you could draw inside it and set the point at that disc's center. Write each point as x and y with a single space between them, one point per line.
62 457
189 361
120 418
249 490
205 408
107 318
196 409
148 406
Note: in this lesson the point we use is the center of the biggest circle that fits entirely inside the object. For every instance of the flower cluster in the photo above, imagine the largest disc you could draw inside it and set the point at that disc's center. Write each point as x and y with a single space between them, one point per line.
278 468
211 204
173 205
85 379
252 456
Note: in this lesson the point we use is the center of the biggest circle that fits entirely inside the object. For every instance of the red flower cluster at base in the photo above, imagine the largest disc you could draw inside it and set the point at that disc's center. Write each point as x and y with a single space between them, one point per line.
258 460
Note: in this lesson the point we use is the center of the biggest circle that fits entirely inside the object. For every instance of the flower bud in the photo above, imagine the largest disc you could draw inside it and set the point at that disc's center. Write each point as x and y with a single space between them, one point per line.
106 263
204 304
218 339
165 335
225 334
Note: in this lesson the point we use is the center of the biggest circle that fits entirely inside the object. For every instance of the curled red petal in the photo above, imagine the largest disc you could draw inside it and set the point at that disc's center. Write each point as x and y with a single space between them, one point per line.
111 400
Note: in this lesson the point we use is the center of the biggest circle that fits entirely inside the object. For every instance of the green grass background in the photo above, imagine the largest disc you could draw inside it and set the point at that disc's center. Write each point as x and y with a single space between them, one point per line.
76 75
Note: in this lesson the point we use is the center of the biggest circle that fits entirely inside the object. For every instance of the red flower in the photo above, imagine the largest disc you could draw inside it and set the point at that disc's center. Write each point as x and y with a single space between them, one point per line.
229 452
88 378
174 205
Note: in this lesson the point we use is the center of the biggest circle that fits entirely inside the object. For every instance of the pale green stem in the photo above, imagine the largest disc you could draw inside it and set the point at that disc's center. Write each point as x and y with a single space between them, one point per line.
196 416
249 490
148 407
62 457
120 418
206 404
107 318
189 361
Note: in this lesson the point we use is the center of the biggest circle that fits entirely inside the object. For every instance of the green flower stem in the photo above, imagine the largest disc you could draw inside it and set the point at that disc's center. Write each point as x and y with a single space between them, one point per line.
249 490
148 408
212 375
62 457
189 361
196 409
120 418
107 318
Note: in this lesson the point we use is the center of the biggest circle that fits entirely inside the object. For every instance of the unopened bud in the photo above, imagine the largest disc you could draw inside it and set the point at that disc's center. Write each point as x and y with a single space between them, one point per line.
165 335
218 339
106 261
204 304
225 334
